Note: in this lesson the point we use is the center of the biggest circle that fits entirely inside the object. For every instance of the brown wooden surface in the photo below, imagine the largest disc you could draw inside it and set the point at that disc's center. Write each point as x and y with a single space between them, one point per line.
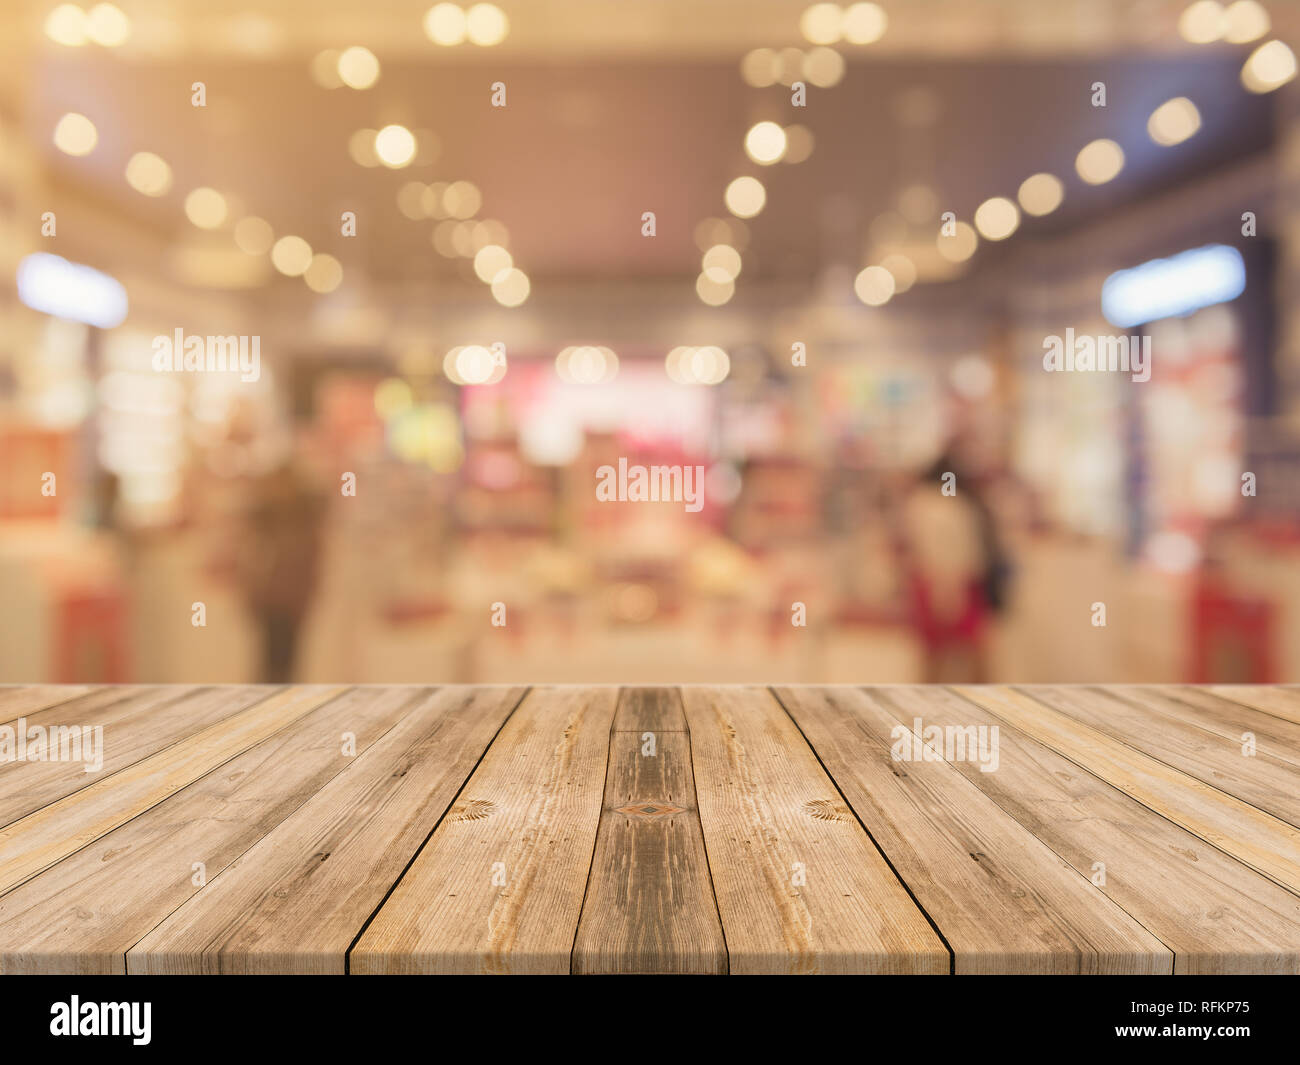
650 905
709 830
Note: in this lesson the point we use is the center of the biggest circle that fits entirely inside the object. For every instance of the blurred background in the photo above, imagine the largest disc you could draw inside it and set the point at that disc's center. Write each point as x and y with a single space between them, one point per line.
649 252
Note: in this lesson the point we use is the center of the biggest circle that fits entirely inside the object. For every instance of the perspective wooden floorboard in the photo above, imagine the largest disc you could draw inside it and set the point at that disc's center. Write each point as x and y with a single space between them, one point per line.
406 829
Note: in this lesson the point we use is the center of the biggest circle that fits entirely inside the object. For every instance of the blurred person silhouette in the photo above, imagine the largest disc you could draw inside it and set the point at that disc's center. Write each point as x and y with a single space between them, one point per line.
956 572
277 563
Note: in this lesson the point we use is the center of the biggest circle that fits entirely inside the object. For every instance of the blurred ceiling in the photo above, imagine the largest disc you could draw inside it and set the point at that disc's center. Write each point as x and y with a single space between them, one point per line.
617 107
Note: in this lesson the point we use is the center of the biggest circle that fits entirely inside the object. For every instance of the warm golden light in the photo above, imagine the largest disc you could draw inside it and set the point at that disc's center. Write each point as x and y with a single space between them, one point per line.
1245 21
1269 67
765 143
903 270
697 366
798 144
323 274
491 261
148 174
1174 121
486 25
721 263
291 256
823 67
254 235
918 203
474 364
325 69
822 23
66 25
758 68
714 292
462 199
1041 194
358 68
959 245
107 24
395 146
445 24
1099 161
874 286
361 147
510 287
997 218
410 200
206 208
75 134
1202 22
745 197
864 23
586 365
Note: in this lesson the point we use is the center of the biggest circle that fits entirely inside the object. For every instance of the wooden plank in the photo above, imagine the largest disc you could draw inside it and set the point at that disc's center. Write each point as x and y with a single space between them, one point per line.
499 885
40 839
1262 841
1217 915
1279 702
1004 902
800 886
649 905
19 699
1263 780
295 902
84 913
1273 735
134 725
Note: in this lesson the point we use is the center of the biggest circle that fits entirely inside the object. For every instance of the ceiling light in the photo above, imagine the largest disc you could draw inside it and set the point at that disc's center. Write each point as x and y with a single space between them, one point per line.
997 219
486 25
1269 67
1041 194
75 134
395 146
1174 121
1099 161
206 208
445 24
358 68
765 143
291 256
148 174
745 197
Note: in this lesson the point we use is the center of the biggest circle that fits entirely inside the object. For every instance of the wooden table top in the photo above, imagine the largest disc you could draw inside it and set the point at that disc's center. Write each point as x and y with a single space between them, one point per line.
594 829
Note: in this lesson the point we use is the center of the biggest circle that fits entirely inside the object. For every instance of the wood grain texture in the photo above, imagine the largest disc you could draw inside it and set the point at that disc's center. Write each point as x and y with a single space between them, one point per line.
1283 703
295 901
1262 779
1004 902
800 889
527 820
1262 841
1216 915
649 905
1118 832
84 913
42 838
1274 736
19 699
135 723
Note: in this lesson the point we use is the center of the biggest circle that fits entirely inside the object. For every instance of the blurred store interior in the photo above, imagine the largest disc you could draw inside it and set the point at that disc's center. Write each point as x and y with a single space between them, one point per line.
481 251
